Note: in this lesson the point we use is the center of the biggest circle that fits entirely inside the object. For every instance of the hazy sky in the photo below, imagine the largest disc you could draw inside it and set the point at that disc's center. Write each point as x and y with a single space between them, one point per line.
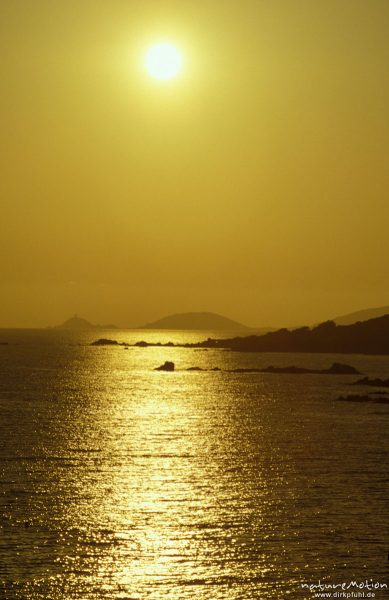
255 184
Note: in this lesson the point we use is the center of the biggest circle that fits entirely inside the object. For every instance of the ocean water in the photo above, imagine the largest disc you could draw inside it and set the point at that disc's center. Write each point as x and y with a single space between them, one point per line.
121 482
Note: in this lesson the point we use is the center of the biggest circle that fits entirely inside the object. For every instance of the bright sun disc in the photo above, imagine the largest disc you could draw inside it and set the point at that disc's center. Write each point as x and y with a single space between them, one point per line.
163 61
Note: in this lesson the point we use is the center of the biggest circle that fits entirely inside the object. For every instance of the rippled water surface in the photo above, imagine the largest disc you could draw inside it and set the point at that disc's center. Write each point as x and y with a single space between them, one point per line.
121 482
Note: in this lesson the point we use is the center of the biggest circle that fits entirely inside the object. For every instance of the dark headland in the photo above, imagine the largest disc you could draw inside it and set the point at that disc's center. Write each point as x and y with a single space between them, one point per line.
367 337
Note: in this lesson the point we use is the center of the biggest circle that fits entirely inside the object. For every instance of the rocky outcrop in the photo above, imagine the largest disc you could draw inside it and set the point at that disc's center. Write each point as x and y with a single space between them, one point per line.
167 366
372 382
106 342
335 369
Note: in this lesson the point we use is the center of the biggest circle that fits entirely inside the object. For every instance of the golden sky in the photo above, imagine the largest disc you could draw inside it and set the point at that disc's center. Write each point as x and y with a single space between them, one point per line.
254 184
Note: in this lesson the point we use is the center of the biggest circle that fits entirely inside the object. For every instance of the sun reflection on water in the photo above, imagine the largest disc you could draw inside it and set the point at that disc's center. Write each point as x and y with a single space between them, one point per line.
155 487
173 492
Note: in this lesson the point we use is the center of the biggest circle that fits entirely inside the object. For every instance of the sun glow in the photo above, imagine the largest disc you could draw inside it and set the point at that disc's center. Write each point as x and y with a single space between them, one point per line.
163 61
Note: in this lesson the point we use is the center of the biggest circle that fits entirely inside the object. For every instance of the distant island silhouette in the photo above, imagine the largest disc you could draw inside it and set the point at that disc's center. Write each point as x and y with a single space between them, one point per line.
362 315
77 323
197 320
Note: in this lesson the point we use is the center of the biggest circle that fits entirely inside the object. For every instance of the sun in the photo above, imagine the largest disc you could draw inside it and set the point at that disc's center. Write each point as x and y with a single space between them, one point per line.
163 61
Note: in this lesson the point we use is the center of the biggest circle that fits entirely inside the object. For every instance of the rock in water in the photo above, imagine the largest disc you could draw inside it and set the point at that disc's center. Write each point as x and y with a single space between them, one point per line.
105 342
167 366
340 369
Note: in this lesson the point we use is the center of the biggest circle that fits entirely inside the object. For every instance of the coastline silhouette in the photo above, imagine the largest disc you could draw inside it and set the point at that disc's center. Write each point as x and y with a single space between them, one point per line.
367 337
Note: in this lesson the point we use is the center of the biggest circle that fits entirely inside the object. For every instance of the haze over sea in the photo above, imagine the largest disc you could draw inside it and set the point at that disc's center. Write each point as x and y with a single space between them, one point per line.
119 482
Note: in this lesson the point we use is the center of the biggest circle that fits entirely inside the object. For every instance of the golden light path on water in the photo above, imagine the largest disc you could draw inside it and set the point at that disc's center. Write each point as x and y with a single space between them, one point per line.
162 493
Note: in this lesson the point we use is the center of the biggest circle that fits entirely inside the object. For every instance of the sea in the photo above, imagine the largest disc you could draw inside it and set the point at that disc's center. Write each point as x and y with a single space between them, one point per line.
121 482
